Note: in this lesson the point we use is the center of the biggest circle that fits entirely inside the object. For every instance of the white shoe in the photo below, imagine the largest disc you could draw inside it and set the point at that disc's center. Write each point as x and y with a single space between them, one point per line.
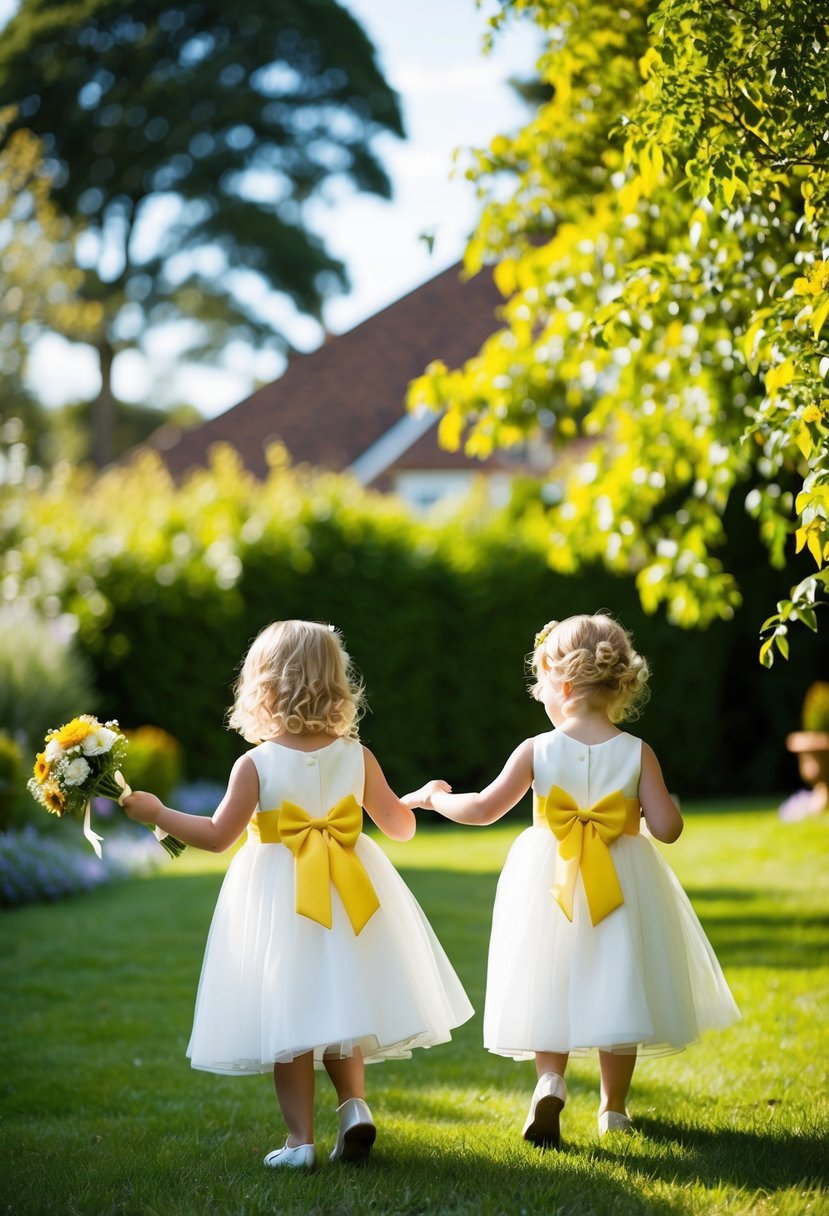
302 1157
542 1126
613 1121
356 1132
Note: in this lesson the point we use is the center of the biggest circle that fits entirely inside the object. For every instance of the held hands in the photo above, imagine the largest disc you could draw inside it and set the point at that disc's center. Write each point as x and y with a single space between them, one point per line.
422 798
142 807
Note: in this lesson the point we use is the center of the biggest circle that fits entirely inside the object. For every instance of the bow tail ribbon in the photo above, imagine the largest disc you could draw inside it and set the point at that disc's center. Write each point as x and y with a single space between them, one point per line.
584 837
601 883
353 884
324 856
311 878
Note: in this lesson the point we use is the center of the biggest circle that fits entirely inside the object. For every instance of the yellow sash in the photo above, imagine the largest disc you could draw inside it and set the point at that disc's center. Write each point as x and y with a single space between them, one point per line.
323 850
584 836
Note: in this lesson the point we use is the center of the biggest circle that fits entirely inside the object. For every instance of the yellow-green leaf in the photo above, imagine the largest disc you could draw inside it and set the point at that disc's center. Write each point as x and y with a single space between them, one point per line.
649 61
777 377
450 429
819 317
814 546
506 279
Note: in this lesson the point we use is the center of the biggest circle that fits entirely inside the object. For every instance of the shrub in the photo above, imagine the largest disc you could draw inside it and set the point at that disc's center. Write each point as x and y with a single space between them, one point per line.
36 869
154 760
816 707
198 797
44 678
11 771
170 583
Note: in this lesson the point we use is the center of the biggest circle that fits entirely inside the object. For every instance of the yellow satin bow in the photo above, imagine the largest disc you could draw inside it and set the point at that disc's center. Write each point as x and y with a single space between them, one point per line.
584 836
323 849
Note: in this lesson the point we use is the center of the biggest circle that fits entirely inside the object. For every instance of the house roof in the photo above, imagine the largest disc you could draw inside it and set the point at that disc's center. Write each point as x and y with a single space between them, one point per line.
332 405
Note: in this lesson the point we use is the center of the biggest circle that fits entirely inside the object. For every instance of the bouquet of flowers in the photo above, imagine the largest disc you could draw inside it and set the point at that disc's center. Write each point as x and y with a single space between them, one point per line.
81 761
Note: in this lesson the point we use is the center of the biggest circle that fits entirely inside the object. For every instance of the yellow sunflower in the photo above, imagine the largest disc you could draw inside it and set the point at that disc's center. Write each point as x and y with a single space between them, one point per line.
41 767
72 733
53 799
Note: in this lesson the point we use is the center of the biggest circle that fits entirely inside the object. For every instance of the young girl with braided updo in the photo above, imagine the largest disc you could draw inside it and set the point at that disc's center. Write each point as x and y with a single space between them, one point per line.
318 954
594 943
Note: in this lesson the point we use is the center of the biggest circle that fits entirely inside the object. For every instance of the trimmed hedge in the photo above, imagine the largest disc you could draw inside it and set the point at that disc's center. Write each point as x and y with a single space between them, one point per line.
169 585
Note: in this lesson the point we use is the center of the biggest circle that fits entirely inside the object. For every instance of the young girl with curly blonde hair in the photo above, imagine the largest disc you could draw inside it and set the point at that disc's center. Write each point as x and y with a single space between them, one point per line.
318 954
594 943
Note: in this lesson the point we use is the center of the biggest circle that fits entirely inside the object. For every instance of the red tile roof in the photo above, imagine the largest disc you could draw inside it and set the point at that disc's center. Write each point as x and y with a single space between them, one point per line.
329 406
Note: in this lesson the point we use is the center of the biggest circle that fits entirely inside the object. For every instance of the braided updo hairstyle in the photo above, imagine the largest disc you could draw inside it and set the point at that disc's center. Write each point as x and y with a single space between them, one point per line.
595 655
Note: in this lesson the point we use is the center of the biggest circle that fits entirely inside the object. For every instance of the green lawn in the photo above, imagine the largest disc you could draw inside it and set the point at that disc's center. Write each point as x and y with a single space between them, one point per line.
102 1114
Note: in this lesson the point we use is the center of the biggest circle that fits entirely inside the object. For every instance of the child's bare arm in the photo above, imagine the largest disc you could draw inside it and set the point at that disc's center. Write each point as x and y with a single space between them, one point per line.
216 834
391 814
661 812
499 796
421 799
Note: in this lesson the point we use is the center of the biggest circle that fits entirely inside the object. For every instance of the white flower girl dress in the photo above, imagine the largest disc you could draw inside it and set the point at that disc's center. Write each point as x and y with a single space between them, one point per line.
276 982
644 976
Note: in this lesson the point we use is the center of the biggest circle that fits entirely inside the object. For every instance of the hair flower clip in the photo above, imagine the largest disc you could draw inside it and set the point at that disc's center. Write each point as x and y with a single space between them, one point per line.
544 633
641 669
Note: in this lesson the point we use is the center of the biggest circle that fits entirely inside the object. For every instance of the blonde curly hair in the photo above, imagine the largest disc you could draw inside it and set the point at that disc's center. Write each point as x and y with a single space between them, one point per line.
595 655
296 677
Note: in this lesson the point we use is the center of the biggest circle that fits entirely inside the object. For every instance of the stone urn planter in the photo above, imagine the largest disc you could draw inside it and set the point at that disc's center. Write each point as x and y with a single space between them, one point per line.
812 750
811 745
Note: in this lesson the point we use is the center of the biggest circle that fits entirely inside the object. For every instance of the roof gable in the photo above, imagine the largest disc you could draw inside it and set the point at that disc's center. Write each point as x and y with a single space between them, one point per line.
332 406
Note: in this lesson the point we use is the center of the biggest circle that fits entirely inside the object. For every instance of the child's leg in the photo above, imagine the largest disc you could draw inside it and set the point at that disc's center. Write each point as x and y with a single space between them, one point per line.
348 1076
294 1085
617 1073
356 1131
551 1061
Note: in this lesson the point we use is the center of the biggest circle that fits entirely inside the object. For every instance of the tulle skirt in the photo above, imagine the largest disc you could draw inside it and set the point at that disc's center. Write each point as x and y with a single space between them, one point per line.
644 979
275 985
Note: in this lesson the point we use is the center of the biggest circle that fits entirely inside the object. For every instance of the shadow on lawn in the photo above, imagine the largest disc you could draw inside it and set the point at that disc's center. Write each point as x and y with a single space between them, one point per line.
762 933
754 1159
528 1182
669 1153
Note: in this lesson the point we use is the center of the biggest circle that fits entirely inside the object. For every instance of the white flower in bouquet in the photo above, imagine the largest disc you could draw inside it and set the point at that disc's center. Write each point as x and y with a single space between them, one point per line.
76 771
98 741
53 752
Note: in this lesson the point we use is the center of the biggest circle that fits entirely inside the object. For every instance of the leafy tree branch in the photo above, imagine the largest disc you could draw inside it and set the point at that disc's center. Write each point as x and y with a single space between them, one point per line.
660 233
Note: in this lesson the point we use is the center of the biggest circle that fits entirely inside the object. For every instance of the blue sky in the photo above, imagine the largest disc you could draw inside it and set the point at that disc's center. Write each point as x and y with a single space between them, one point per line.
453 97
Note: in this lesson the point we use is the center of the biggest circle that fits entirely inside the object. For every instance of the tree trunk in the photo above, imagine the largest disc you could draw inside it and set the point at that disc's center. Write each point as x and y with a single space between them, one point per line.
102 416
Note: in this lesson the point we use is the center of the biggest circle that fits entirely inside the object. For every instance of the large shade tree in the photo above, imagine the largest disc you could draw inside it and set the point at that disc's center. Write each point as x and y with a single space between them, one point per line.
185 140
659 231
40 284
40 280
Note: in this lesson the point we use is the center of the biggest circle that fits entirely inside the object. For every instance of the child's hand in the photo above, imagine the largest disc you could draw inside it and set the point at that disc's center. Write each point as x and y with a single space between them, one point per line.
143 807
422 798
